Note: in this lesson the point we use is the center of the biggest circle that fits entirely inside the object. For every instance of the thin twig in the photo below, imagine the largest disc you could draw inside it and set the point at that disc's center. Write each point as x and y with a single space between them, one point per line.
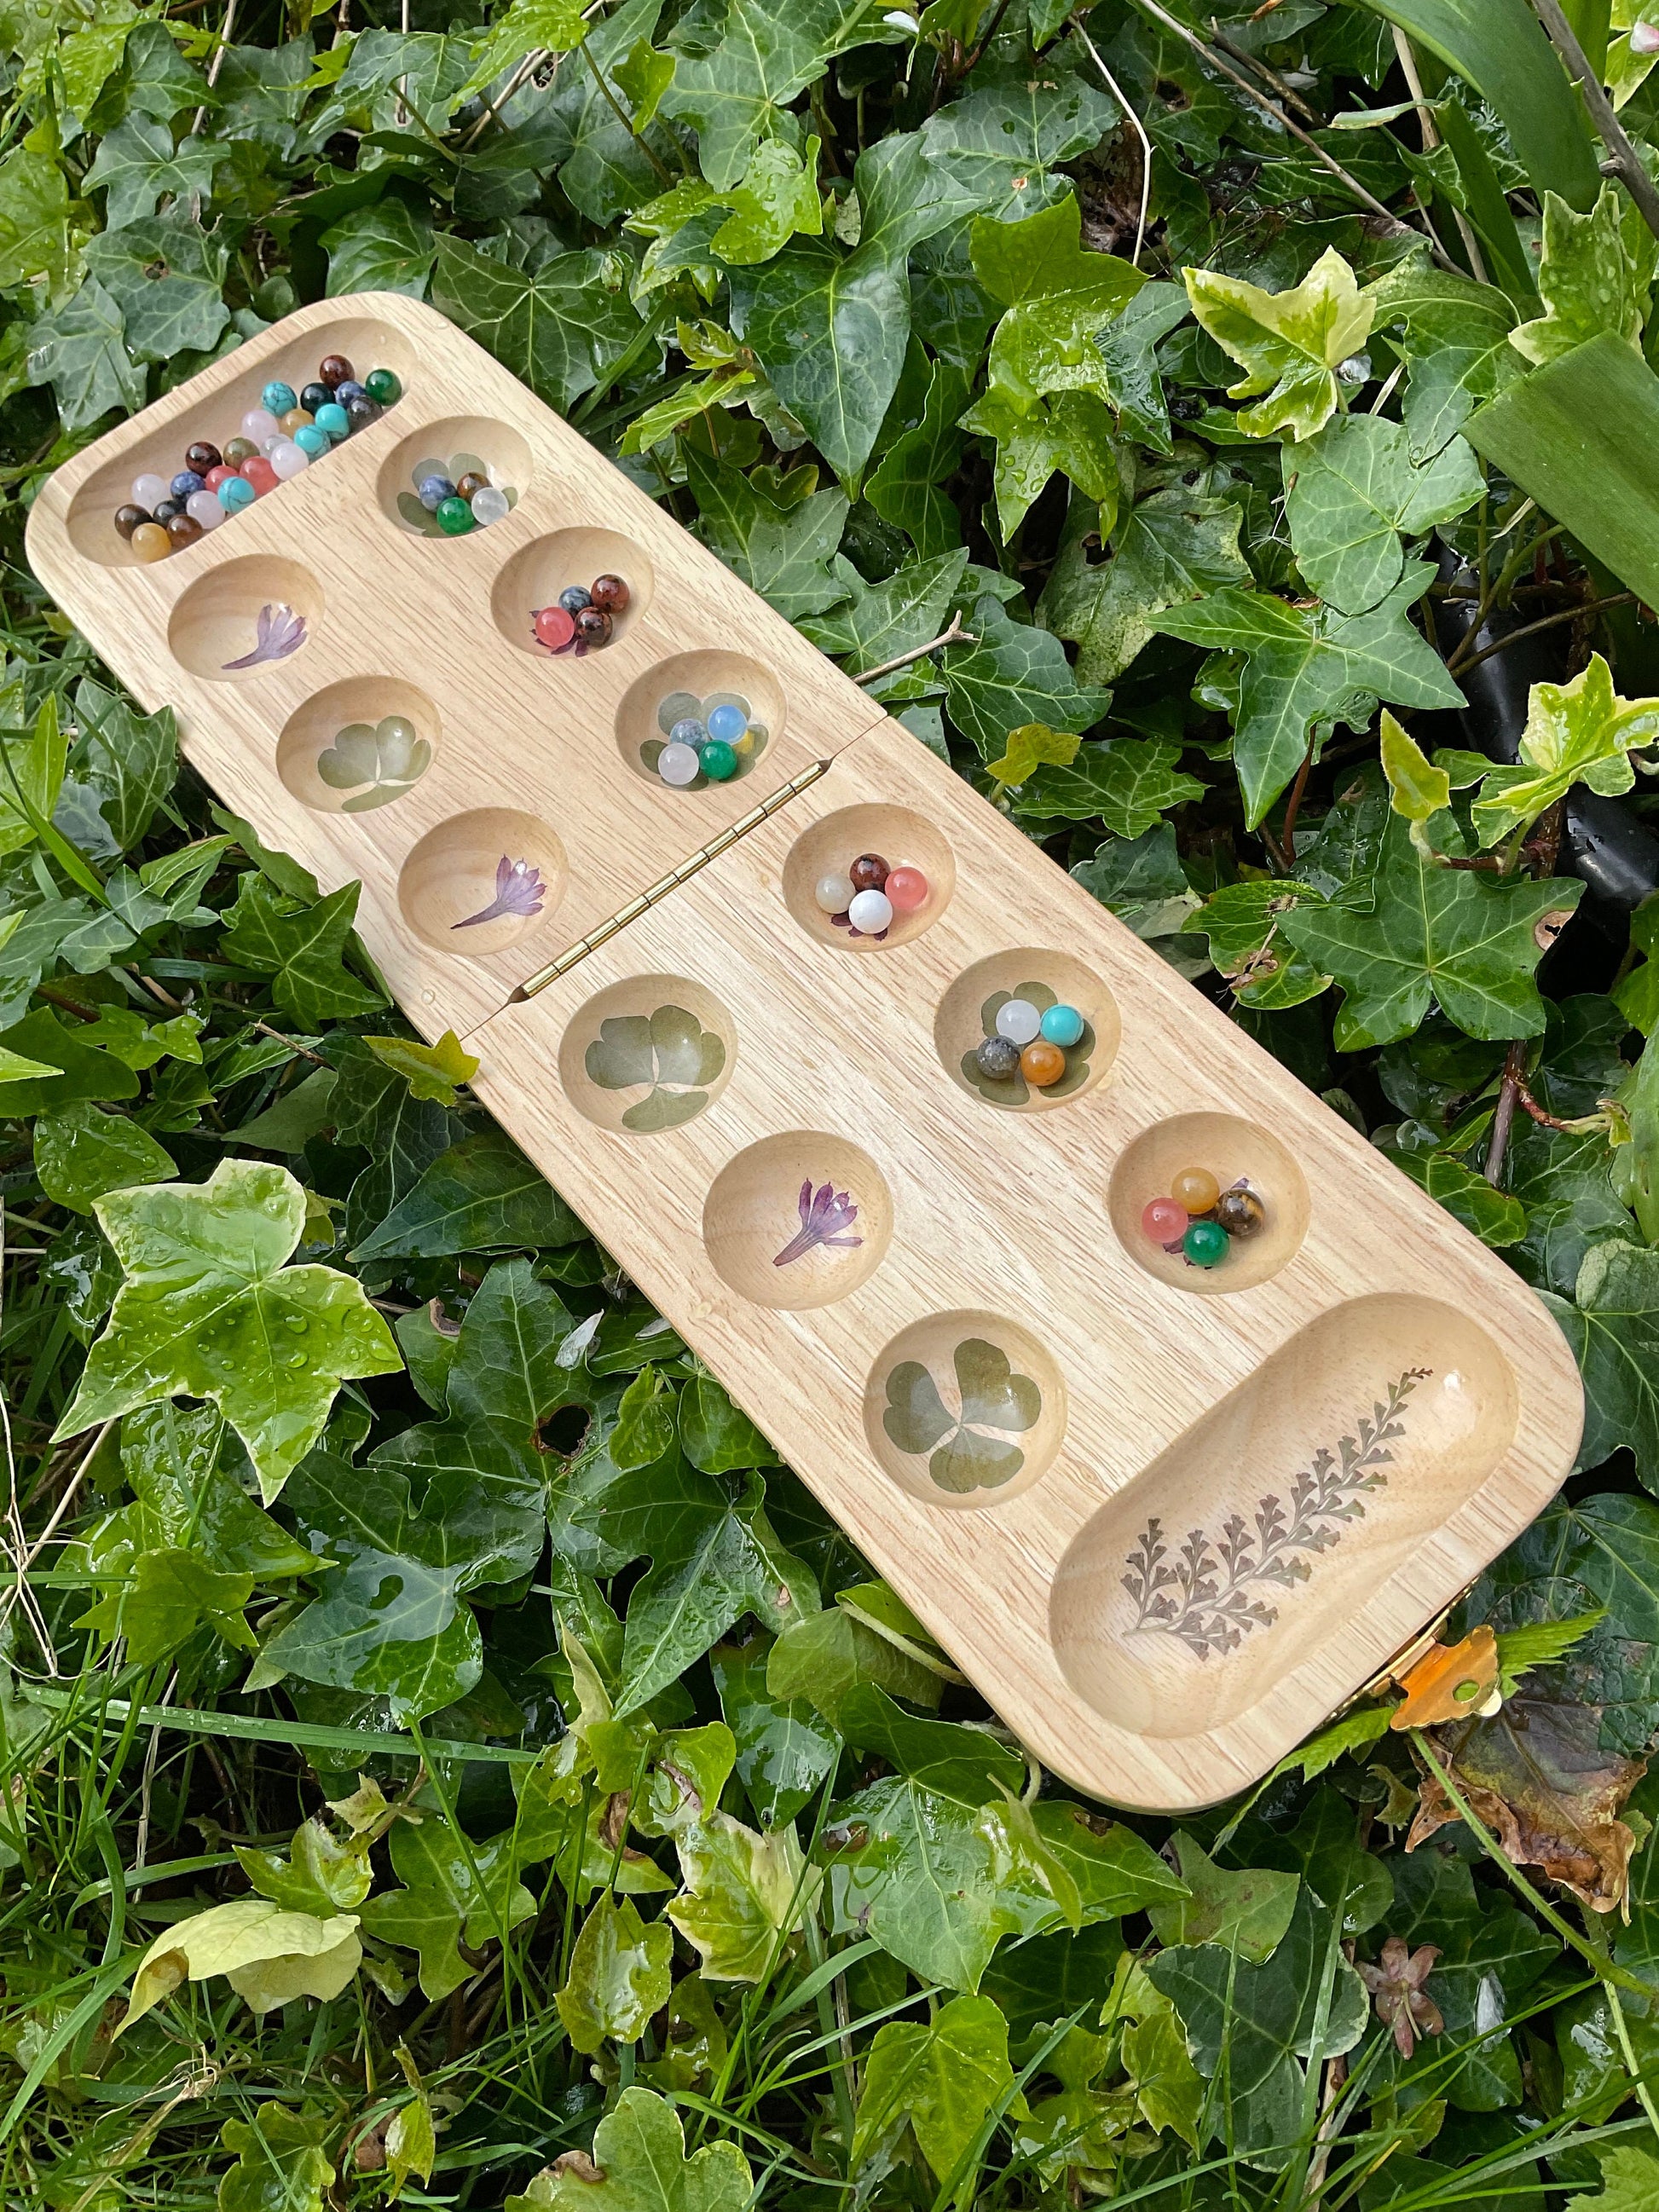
1123 99
955 635
1431 133
1460 659
213 66
1622 157
1208 53
1288 92
293 1043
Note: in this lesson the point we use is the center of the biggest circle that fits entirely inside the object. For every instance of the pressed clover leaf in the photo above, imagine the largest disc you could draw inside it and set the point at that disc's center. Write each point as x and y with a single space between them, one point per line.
992 1397
668 1050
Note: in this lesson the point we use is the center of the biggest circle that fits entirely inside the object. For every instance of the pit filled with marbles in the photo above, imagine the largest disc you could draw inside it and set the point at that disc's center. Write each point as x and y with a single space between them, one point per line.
1200 1220
704 741
583 618
1029 1042
278 440
867 896
453 498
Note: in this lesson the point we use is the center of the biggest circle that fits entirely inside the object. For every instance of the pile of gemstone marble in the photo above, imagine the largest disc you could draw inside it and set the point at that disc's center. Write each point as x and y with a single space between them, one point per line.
1029 1042
1198 1219
285 433
704 745
580 619
468 502
866 900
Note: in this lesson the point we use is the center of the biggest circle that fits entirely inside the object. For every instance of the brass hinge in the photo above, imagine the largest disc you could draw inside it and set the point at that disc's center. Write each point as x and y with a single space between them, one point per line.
648 898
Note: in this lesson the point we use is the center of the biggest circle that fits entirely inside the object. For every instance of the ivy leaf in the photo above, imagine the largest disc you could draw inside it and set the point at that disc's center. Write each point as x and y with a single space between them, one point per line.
1240 921
1577 733
561 327
1630 2182
1450 935
1289 343
1033 440
1029 747
1142 881
208 1310
34 226
529 26
1595 274
1612 1326
387 247
452 1889
1351 492
1058 299
168 1594
907 486
1013 675
389 1620
830 330
1127 781
945 2075
1001 143
877 621
778 197
745 1895
1244 1912
754 59
822 1660
1127 348
639 2165
783 1749
1417 790
1173 546
1455 335
619 1976
80 1154
1310 667
482 1196
167 275
783 553
80 349
302 948
75 1068
431 1071
1496 1216
1248 2025
138 164
128 758
716 1437
281 2163
268 1956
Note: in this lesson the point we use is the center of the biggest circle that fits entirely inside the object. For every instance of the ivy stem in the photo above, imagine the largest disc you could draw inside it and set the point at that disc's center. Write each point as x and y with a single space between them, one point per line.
1600 1965
1503 1120
1461 660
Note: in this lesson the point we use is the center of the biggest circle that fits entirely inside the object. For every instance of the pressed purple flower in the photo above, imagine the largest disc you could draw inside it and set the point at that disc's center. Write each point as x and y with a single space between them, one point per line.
825 1214
279 632
518 890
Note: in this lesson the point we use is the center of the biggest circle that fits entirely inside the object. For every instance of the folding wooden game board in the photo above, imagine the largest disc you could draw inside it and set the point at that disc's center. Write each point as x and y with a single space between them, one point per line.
1167 1519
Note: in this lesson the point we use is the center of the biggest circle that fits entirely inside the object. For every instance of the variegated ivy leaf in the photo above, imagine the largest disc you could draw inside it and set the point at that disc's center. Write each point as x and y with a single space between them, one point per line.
1594 275
1290 343
1577 733
209 1310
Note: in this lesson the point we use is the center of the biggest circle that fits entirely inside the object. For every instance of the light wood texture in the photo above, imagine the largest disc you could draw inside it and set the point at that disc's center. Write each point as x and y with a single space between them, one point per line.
1166 1394
438 630
1327 1436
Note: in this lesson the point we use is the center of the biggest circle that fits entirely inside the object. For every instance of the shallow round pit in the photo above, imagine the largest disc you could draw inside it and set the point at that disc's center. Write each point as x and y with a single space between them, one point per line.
830 847
967 1015
494 859
539 572
459 443
648 1054
965 1409
797 1220
245 616
1234 1151
348 749
693 683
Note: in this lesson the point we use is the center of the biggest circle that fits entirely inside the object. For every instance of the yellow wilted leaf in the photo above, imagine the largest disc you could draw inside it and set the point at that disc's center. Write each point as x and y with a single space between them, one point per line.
267 1955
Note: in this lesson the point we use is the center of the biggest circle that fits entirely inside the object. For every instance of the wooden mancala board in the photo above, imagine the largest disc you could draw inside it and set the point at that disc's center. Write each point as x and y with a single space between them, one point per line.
1168 1519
